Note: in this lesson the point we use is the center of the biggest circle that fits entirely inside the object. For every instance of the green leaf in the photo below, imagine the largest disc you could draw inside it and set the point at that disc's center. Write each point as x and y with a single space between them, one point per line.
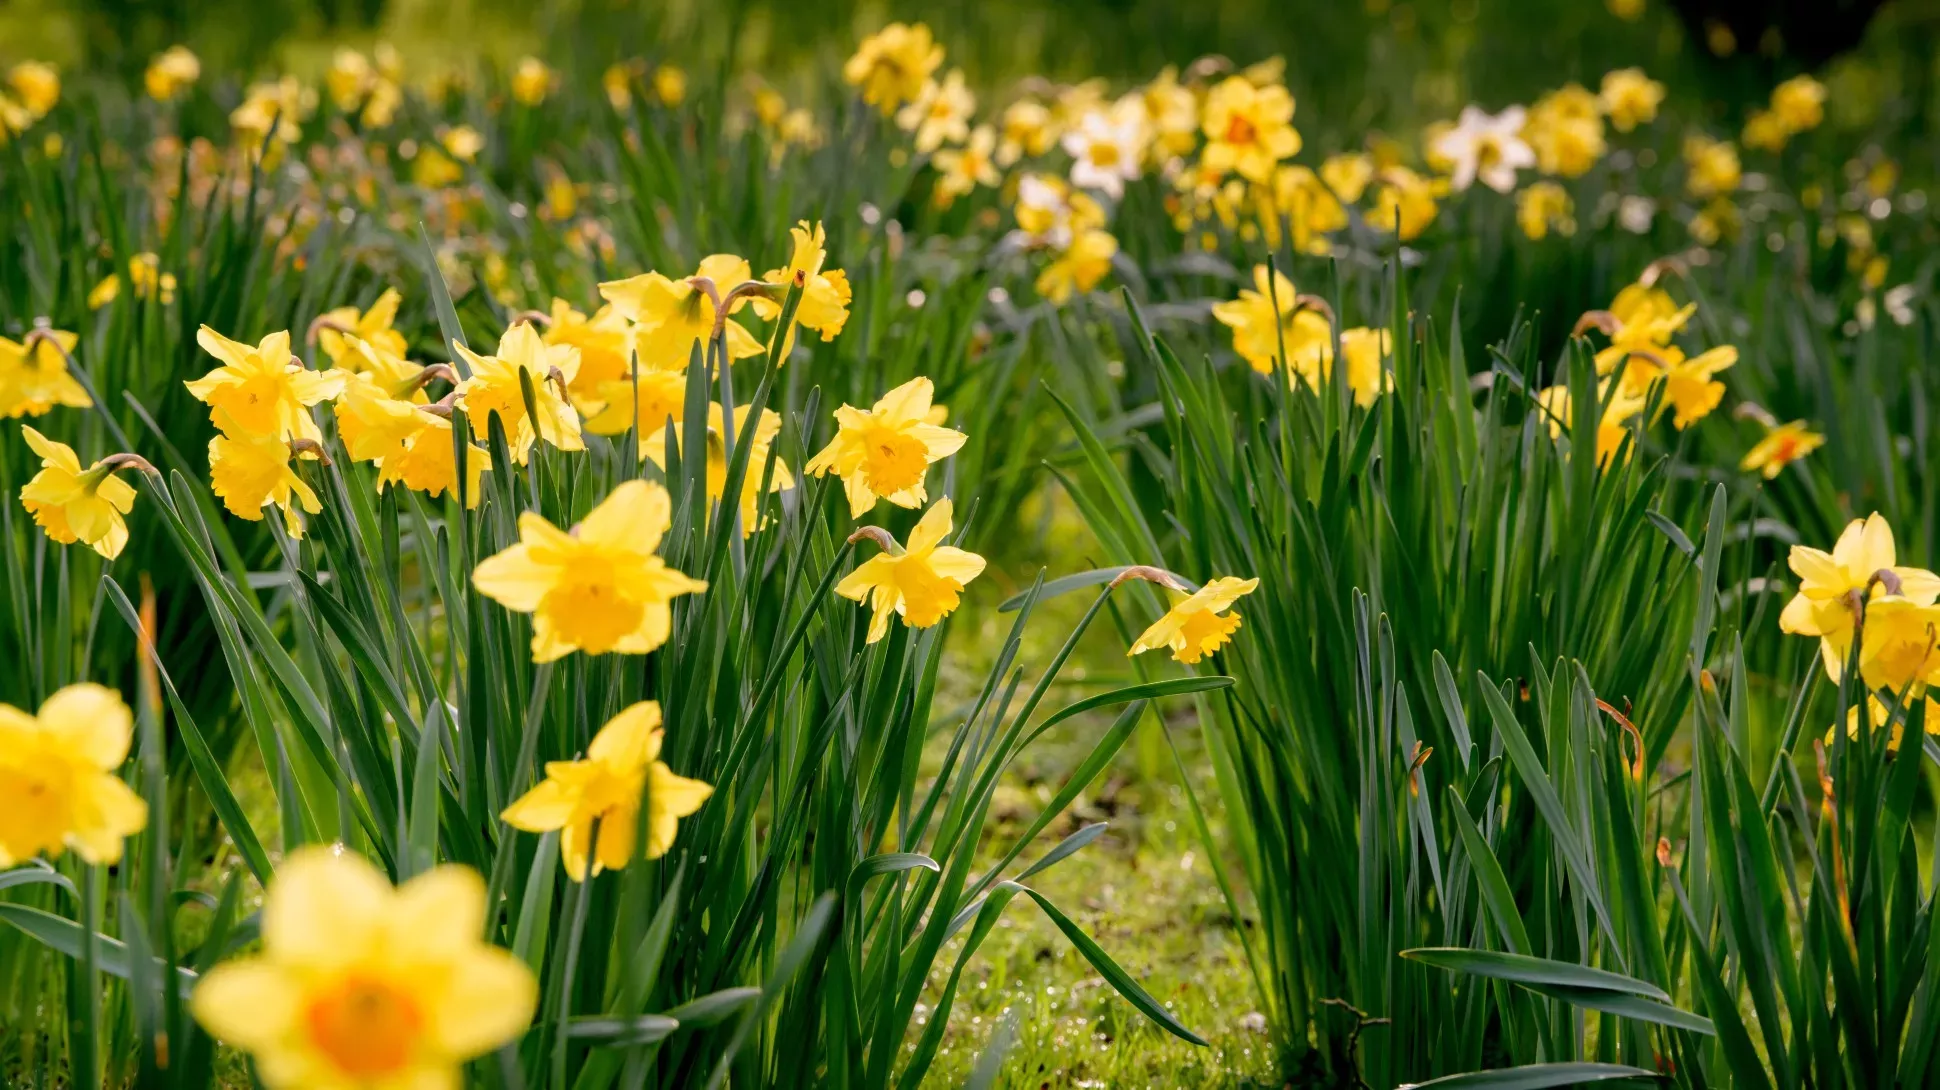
67 937
714 1006
1118 978
1535 1077
1067 583
1524 969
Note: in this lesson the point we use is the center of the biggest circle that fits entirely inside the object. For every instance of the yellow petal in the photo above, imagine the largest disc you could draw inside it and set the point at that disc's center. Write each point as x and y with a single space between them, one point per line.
633 517
440 912
93 719
630 739
324 908
248 1003
106 813
514 580
489 1001
548 806
932 528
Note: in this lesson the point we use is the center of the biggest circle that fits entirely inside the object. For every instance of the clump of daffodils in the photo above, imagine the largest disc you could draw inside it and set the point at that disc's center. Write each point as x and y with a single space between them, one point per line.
1275 325
1866 608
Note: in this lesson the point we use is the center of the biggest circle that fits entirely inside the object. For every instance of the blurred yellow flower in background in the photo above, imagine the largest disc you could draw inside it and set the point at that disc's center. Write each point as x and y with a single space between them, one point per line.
1629 98
362 985
940 113
595 802
1079 268
961 170
531 81
891 66
173 71
1248 128
36 86
34 376
1782 445
1542 207
599 587
57 773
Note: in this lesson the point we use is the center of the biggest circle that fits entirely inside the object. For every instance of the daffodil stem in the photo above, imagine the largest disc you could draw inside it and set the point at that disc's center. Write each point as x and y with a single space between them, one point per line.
577 894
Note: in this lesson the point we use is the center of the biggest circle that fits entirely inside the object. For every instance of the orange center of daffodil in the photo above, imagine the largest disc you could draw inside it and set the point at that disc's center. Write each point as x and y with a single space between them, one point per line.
895 461
365 1025
1240 130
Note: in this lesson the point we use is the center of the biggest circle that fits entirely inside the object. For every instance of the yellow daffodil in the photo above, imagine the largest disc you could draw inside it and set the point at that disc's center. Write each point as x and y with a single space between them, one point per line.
359 985
598 587
605 346
1782 445
1309 208
495 386
1364 349
1713 166
1348 175
961 170
1900 647
1403 200
74 504
1565 128
1542 206
1689 387
1172 110
1629 98
1764 131
921 583
1198 624
1107 148
531 81
1878 715
892 65
1248 128
36 86
270 112
262 390
595 802
463 142
1613 427
57 773
34 376
372 325
1050 213
670 85
373 423
1028 131
940 113
427 461
1079 268
248 471
762 437
1832 584
173 71
144 273
672 316
885 453
648 404
617 82
1799 103
825 293
1274 316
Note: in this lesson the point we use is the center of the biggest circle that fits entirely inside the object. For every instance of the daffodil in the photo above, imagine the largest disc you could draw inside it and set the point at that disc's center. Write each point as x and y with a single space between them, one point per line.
249 471
648 403
761 438
961 170
144 274
1199 623
1614 426
1404 202
1347 174
605 346
1861 568
1799 103
1542 206
1900 645
940 113
921 583
262 390
497 385
36 85
373 423
34 376
427 461
1689 387
1764 131
891 66
462 142
1877 716
598 587
57 773
360 986
1079 268
1248 128
371 325
1274 318
271 112
670 85
1485 146
824 300
173 71
1028 131
74 504
1782 445
1050 213
1565 129
885 453
595 802
1364 350
1629 98
1309 209
672 316
1107 150
1172 110
1713 166
531 81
